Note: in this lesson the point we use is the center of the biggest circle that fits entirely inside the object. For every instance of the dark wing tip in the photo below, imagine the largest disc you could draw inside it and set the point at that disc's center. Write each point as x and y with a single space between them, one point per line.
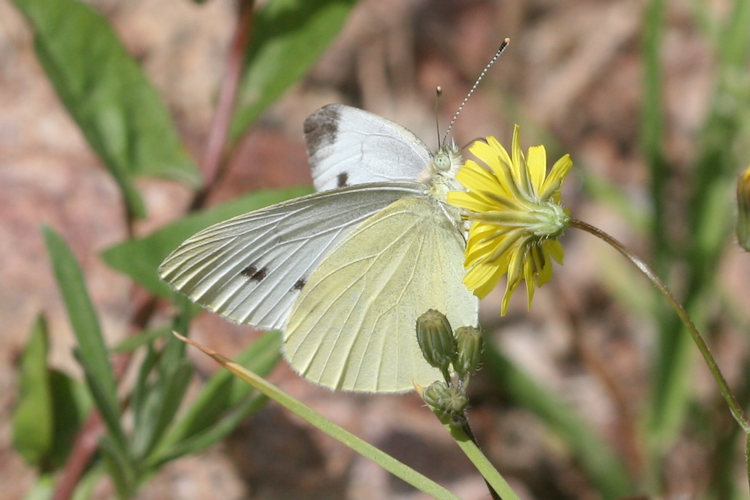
321 128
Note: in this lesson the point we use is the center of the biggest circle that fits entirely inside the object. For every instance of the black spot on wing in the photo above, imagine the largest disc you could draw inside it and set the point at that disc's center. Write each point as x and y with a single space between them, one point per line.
254 273
342 180
321 128
299 284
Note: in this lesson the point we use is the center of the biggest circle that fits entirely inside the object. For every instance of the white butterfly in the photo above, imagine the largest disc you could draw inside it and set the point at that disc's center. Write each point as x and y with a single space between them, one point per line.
344 272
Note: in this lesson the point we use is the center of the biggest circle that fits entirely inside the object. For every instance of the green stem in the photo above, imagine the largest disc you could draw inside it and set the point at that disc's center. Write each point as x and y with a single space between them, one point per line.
467 430
480 461
734 406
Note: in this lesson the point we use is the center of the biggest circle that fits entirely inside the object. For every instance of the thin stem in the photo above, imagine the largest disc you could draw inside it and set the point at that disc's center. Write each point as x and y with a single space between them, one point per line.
214 155
467 430
734 406
491 476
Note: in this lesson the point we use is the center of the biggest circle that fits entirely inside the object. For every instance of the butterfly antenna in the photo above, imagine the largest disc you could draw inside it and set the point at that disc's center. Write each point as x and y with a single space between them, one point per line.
474 87
438 94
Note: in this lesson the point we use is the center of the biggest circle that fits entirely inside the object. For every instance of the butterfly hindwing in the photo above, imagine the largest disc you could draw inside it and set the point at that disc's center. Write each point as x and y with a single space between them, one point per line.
353 326
251 268
348 146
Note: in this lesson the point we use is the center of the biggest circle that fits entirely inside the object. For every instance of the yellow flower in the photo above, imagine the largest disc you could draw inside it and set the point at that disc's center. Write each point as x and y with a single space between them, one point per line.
514 206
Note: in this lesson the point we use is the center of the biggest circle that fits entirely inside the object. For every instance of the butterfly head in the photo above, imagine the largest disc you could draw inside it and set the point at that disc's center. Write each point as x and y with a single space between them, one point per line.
446 161
440 176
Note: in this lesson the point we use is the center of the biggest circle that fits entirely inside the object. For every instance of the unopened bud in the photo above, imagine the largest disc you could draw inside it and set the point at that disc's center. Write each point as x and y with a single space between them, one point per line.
445 401
435 338
469 347
743 210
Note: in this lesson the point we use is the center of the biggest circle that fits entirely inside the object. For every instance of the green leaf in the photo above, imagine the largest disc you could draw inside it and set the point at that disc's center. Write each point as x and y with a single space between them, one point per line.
118 110
140 258
91 351
71 403
32 419
161 406
594 455
140 395
288 36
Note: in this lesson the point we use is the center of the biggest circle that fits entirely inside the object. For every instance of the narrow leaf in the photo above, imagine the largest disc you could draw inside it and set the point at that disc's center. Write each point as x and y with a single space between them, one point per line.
71 404
32 418
140 258
108 95
91 351
288 37
167 396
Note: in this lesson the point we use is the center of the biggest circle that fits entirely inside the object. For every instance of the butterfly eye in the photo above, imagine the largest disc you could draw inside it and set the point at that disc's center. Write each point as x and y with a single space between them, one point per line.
442 161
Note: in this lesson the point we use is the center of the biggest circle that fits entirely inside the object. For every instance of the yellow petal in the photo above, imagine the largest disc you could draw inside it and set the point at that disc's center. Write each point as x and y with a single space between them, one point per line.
519 164
500 152
482 279
484 151
528 276
537 163
480 181
555 249
510 287
474 176
502 169
559 170
469 201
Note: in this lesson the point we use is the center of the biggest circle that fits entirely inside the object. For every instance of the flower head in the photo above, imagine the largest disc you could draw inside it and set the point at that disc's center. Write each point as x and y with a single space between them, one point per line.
514 206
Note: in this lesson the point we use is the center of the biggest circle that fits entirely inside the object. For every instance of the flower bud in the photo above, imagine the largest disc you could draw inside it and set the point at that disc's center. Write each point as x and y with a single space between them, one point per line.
435 338
445 401
469 347
743 210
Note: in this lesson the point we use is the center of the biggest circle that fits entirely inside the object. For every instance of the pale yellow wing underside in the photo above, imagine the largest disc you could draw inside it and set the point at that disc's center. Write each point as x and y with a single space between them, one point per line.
353 325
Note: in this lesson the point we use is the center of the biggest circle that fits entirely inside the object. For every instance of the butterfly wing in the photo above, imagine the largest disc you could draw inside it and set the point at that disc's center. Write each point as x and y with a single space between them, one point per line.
349 146
251 268
353 326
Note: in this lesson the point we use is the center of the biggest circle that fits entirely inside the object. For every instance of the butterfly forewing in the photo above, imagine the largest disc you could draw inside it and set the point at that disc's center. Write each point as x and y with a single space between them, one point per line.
252 268
349 146
353 326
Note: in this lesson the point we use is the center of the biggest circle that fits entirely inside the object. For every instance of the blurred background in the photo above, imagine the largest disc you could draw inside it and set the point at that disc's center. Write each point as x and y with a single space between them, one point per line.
650 98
